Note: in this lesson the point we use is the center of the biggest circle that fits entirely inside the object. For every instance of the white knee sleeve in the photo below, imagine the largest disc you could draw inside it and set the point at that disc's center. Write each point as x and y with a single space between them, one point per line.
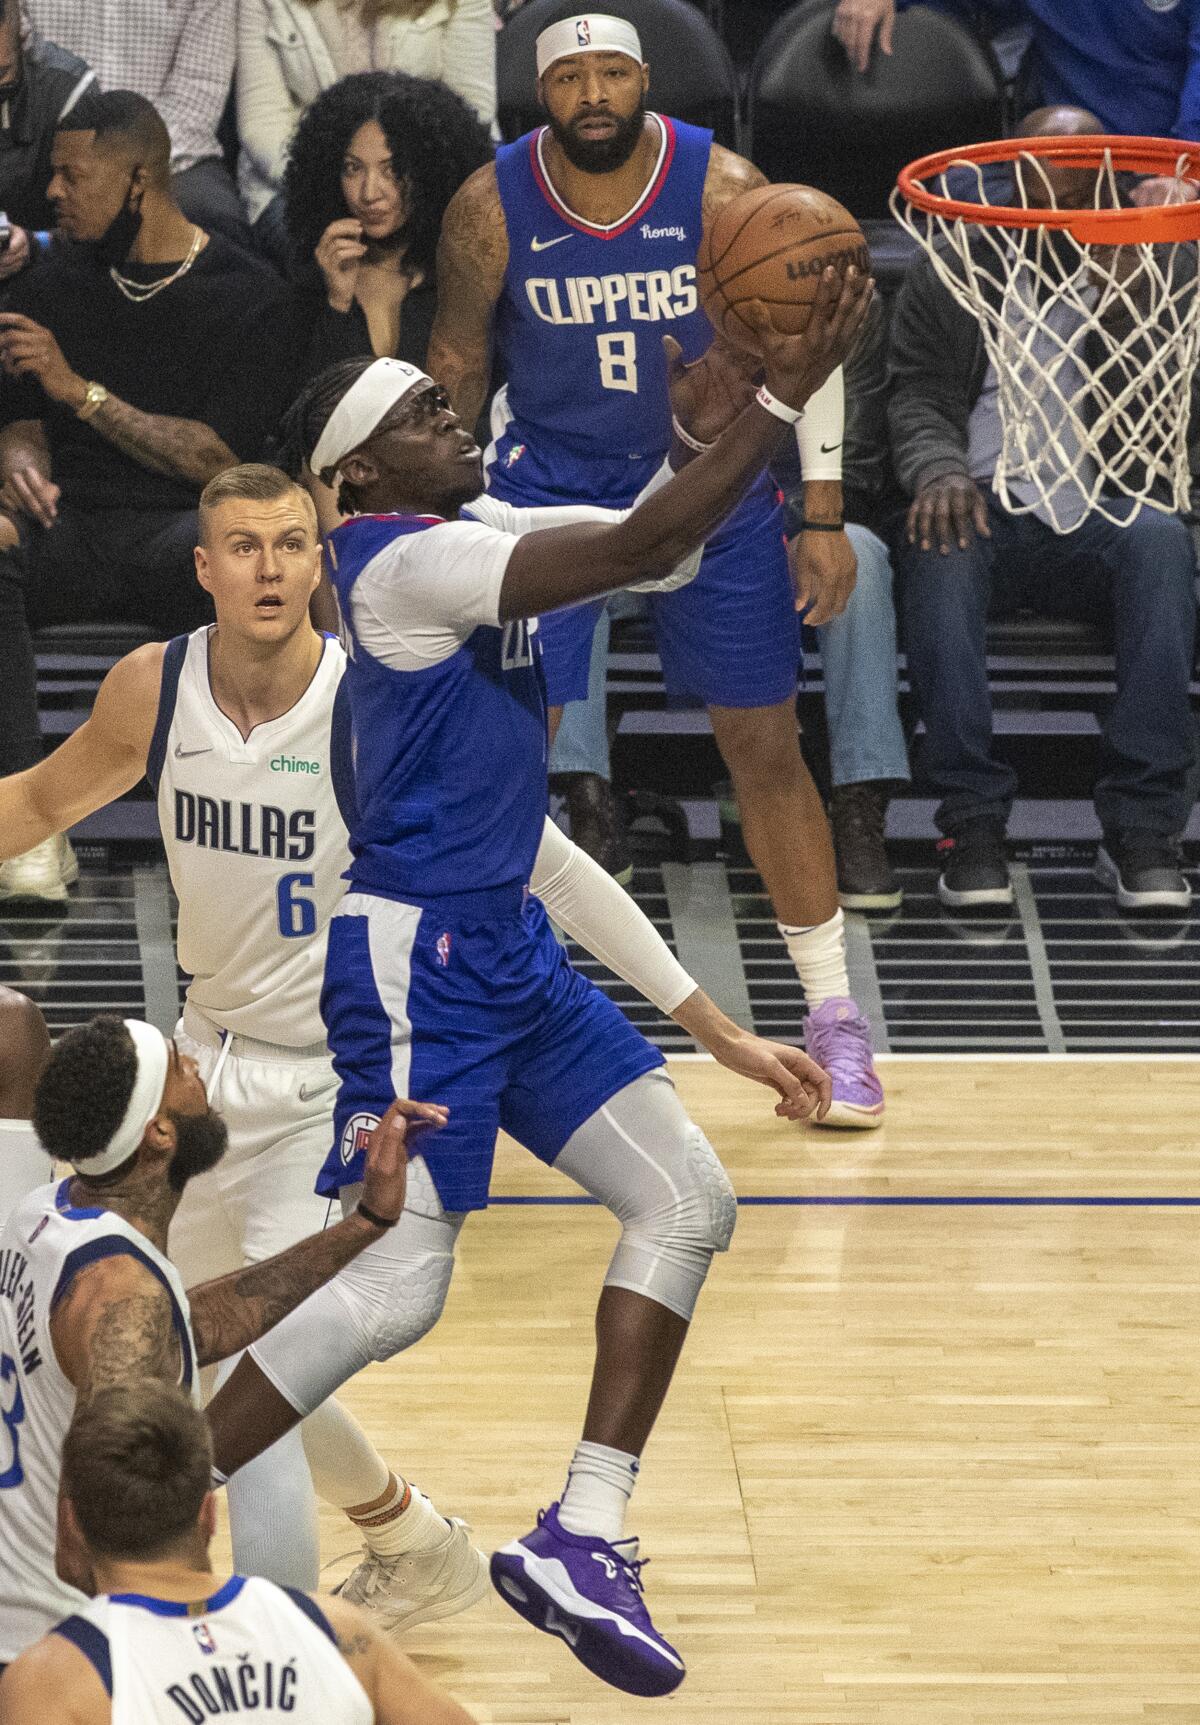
658 1174
385 1300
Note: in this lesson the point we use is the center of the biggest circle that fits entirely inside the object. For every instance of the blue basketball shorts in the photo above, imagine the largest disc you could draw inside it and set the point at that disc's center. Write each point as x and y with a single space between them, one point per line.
472 1003
730 638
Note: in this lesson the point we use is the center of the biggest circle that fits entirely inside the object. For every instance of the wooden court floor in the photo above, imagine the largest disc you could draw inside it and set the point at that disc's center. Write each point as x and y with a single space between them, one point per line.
924 1463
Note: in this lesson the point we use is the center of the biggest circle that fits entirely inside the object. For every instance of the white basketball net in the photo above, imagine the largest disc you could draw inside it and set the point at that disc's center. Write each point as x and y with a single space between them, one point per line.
1093 348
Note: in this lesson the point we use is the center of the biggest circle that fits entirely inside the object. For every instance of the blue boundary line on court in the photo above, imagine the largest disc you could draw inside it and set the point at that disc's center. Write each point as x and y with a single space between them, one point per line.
910 1201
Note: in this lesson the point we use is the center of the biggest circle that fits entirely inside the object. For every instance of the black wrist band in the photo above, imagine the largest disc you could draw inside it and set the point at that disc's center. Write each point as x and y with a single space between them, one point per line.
376 1221
820 527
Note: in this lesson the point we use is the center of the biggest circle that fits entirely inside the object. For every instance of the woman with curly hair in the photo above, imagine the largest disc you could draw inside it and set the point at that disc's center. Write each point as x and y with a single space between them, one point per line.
288 51
374 163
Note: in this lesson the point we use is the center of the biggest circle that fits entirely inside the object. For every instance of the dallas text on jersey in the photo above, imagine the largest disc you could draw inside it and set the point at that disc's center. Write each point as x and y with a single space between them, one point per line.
246 829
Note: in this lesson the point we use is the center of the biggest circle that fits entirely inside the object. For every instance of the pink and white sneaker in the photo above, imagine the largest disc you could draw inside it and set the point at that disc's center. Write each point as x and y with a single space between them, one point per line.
838 1038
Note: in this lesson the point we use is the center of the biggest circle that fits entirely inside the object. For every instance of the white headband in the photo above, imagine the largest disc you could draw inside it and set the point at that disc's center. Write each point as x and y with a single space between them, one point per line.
150 1046
360 410
589 33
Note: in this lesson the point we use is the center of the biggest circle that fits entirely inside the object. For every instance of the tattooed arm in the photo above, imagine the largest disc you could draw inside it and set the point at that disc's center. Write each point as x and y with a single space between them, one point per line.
114 1326
471 261
180 448
235 1310
398 1692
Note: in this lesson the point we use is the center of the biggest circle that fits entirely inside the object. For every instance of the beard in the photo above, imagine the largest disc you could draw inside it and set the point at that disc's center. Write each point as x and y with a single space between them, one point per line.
600 155
200 1142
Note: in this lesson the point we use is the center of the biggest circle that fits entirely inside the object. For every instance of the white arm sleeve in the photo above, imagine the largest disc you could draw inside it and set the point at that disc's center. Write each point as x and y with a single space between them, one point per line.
509 518
419 598
588 905
821 428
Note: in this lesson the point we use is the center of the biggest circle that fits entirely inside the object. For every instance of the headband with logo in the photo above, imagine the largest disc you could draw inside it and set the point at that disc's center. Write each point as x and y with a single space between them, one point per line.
363 407
589 33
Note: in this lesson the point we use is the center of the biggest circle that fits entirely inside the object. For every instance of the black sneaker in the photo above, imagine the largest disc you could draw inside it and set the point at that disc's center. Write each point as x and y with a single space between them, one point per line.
864 876
974 870
596 824
1144 870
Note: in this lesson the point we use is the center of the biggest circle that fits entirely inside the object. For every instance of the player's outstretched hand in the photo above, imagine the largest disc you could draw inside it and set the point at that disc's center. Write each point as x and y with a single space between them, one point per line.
707 395
797 365
385 1172
806 1090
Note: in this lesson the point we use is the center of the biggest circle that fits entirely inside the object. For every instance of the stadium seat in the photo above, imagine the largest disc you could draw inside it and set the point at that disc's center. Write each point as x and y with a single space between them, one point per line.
691 74
812 118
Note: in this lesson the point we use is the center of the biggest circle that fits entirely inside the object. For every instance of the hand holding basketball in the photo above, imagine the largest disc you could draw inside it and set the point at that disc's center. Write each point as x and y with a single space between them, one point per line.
797 365
707 395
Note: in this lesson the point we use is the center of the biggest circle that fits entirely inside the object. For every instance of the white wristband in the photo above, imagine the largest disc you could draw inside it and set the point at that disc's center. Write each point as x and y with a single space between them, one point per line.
821 433
780 409
686 438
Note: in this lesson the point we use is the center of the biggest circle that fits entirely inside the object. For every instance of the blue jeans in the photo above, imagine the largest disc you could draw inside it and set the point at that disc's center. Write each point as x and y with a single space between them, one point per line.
581 745
858 654
1140 577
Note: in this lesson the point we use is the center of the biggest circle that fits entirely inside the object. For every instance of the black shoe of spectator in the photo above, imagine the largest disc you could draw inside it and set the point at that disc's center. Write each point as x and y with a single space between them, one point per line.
974 870
596 824
1144 870
864 876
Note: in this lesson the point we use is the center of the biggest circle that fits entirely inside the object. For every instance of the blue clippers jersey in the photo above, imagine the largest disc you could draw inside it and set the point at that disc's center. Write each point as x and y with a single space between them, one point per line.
449 761
580 322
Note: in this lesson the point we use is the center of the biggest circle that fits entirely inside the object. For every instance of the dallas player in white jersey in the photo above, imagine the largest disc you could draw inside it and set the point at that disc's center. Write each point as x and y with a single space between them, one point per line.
164 1642
24 1045
88 1297
232 726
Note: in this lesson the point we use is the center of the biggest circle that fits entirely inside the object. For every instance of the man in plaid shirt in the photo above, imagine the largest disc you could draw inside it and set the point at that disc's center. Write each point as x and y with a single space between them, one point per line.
179 55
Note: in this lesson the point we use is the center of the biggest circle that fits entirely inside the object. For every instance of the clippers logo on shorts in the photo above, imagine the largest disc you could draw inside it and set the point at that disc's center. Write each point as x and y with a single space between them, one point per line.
443 950
204 1640
583 33
356 1136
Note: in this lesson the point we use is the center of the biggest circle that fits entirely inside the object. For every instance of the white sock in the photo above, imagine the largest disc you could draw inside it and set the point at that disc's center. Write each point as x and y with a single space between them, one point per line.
405 1521
819 955
600 1483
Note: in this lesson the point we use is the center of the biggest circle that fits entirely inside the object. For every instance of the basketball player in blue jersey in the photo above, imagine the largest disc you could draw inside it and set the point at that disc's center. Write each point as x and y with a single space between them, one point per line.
444 978
570 256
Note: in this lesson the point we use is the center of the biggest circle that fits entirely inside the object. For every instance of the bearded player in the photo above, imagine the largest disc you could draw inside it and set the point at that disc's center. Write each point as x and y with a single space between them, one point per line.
443 977
571 255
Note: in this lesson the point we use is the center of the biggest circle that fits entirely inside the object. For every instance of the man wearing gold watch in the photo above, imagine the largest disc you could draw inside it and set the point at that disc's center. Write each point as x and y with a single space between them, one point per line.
139 359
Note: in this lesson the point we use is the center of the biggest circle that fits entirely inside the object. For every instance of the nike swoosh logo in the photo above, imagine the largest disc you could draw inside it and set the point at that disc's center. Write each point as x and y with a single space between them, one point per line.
306 1095
536 245
829 448
185 754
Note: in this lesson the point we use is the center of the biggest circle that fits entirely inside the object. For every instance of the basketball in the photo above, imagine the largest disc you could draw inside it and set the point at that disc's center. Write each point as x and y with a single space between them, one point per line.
771 245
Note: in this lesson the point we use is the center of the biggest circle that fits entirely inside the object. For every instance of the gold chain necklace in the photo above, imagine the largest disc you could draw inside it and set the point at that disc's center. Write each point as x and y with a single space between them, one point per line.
139 292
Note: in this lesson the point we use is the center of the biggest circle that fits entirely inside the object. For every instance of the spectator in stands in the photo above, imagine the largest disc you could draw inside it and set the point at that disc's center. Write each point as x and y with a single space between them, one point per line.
289 51
178 54
857 636
1135 64
139 361
39 84
374 163
964 553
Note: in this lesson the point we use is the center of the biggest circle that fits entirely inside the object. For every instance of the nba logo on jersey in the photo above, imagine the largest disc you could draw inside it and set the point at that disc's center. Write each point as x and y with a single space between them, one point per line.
356 1136
583 32
514 455
443 950
204 1639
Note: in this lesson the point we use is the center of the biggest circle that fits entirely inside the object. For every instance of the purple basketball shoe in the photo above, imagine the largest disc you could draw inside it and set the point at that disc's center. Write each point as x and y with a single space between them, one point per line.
589 1593
839 1038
